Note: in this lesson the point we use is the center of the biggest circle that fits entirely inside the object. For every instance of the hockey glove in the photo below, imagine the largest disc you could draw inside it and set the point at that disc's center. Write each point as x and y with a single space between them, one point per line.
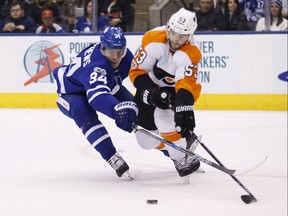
184 113
125 115
162 98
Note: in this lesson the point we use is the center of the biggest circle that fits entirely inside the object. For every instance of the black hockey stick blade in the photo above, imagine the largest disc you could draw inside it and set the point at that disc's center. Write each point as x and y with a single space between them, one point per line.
248 199
185 151
245 198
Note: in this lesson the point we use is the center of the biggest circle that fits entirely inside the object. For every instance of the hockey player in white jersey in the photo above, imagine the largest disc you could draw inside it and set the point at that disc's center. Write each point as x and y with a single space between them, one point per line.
92 83
164 72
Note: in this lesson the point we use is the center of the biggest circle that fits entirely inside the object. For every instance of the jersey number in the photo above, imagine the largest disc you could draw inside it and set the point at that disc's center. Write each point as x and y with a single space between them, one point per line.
140 55
74 66
94 77
189 71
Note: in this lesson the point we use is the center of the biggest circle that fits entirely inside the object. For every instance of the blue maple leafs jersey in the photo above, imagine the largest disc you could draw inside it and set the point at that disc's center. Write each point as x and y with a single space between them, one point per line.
91 74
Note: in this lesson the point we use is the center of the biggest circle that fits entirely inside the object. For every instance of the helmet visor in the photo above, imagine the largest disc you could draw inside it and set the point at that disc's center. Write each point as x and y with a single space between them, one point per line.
114 53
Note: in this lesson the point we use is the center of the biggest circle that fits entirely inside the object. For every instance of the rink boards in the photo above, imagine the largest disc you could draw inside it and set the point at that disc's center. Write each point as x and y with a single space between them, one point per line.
243 71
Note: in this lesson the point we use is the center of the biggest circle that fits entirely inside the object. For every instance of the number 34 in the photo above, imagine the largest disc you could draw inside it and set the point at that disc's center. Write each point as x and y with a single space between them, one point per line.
94 77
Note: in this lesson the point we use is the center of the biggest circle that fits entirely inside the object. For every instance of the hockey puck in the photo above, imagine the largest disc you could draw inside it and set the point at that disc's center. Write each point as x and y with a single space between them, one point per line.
152 201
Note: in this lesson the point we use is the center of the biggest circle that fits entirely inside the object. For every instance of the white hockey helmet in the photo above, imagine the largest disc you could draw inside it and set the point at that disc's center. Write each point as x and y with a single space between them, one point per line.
183 22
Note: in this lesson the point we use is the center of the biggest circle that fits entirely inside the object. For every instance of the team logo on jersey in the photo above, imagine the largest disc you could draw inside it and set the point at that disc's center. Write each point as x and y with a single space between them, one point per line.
40 59
161 74
100 70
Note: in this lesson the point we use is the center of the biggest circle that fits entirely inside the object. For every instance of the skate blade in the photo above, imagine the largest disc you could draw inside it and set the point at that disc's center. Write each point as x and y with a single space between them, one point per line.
199 170
128 175
186 179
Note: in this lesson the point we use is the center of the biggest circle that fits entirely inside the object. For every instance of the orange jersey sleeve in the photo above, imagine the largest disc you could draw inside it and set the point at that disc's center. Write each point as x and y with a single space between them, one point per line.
189 82
153 36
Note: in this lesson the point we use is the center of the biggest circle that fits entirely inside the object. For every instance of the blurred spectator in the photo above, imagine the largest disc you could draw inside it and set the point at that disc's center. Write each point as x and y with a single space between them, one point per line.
193 5
235 18
130 23
277 22
39 6
254 10
120 13
84 23
17 21
209 18
28 6
285 9
70 11
102 7
102 19
49 26
4 8
220 5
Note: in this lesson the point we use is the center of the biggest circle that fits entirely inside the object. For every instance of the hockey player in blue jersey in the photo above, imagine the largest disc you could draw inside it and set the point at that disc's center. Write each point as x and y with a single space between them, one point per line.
92 83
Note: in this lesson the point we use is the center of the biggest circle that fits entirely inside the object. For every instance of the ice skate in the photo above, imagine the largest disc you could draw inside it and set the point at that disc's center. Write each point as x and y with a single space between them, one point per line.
119 165
186 166
192 144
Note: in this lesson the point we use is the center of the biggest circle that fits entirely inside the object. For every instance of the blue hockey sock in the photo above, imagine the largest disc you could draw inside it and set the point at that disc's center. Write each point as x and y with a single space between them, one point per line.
99 138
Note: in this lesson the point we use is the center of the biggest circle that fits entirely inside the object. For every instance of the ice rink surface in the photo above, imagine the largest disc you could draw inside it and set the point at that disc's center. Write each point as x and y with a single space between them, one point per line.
47 168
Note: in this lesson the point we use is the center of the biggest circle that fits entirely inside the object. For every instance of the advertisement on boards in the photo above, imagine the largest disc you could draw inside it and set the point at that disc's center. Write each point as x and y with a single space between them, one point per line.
230 64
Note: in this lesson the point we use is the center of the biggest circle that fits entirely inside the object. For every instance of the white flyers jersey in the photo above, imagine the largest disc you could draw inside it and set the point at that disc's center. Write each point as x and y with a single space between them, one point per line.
174 69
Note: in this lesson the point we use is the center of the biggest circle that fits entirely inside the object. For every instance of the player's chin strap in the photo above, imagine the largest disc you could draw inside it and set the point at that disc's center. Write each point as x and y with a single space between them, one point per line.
245 198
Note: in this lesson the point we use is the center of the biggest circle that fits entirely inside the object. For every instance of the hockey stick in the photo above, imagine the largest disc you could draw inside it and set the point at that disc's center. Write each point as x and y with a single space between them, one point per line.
245 198
241 172
191 142
179 148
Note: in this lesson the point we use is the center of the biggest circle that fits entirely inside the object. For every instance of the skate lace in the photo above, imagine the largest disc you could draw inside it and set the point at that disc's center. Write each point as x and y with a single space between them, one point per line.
182 163
192 161
116 161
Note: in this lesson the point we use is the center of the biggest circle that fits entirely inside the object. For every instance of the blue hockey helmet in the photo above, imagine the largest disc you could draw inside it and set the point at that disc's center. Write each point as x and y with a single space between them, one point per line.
113 38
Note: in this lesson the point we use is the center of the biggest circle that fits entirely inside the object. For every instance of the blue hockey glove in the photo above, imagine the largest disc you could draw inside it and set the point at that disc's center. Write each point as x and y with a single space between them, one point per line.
125 115
184 113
